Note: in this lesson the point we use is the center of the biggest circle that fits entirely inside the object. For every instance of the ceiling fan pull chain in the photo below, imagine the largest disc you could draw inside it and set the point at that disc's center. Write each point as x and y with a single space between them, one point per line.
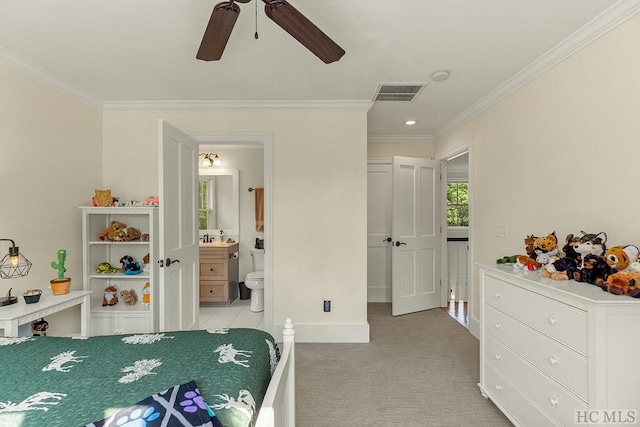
256 35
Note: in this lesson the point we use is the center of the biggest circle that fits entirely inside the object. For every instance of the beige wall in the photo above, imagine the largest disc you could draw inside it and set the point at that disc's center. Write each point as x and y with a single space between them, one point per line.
406 149
561 153
50 163
319 199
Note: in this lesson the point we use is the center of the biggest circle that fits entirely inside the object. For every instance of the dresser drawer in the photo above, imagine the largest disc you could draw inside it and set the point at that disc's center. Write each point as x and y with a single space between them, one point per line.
560 321
214 270
549 395
509 398
214 253
567 367
213 291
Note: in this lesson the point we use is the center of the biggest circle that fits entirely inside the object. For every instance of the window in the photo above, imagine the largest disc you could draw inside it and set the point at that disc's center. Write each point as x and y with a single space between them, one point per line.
458 204
206 197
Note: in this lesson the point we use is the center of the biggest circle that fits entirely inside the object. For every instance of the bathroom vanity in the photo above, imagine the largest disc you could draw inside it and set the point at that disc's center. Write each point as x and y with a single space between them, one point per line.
218 273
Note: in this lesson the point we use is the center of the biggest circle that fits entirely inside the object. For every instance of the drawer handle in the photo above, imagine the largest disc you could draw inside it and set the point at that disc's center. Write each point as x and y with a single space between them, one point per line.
553 401
498 325
211 269
498 357
498 387
210 291
552 320
553 360
497 294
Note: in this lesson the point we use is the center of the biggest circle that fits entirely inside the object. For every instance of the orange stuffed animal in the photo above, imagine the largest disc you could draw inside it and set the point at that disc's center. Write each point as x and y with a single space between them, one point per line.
623 283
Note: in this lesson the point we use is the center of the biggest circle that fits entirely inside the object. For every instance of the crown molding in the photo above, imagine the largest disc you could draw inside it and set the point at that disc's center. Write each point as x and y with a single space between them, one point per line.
12 60
176 106
606 21
396 139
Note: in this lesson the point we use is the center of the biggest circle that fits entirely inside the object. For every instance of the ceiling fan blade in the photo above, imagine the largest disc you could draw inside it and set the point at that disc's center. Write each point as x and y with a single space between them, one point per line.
219 28
303 30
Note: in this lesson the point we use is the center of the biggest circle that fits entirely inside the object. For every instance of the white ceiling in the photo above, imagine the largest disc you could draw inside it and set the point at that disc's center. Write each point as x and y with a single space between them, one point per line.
144 50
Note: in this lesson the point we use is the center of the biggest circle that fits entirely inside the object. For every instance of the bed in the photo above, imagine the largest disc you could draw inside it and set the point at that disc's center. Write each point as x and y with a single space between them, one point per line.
230 377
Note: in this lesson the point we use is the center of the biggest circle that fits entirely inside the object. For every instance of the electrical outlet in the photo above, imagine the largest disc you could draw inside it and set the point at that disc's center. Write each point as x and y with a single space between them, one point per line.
502 231
327 306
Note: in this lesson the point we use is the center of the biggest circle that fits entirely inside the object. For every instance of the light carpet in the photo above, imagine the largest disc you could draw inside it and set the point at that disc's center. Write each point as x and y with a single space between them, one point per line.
419 369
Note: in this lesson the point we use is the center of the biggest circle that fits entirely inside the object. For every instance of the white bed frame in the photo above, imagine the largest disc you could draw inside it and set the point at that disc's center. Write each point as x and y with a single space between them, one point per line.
279 404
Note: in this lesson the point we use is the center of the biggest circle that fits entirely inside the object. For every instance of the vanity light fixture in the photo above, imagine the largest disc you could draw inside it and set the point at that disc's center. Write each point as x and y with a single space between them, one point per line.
13 264
410 122
210 160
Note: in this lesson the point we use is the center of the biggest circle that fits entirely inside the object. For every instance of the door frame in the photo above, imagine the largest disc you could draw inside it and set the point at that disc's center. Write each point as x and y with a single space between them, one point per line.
264 139
444 157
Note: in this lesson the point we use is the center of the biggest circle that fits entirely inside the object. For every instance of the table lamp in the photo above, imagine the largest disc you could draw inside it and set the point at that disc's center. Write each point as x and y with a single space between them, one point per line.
14 264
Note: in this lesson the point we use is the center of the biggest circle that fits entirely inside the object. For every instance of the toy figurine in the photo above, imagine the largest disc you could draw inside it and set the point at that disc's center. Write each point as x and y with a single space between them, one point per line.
62 256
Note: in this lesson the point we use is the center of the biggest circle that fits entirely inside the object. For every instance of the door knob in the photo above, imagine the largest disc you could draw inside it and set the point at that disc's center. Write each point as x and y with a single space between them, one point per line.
170 261
388 239
400 243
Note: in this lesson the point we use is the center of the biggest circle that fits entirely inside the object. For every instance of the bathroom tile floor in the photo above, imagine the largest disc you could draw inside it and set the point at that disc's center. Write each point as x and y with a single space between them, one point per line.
236 315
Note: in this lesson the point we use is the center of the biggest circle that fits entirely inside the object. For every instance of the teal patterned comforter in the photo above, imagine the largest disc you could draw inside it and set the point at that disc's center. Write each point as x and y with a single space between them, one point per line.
53 381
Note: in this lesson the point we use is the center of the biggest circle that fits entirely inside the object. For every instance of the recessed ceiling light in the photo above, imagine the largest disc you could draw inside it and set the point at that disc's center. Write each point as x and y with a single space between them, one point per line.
410 122
440 76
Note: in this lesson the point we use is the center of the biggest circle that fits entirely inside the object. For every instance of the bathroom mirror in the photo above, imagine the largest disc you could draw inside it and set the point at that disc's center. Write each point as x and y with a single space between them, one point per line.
219 202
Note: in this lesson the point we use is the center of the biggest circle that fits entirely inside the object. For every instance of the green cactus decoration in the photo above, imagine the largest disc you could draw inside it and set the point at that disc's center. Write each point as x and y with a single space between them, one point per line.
62 256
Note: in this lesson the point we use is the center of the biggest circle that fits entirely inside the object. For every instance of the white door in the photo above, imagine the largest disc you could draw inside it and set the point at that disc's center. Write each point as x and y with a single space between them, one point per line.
178 284
415 258
379 190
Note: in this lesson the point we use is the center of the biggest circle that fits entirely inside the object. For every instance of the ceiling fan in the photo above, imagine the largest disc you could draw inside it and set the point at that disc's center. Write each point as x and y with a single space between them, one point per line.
224 17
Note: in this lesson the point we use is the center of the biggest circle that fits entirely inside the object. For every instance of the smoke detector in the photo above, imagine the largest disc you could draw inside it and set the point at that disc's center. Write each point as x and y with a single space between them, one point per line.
440 76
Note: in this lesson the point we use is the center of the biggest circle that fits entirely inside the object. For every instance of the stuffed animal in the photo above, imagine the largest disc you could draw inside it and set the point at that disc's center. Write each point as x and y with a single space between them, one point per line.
591 244
102 198
563 267
105 267
545 248
146 294
113 232
132 233
623 283
129 265
507 260
595 270
119 232
110 296
528 261
620 258
39 327
129 296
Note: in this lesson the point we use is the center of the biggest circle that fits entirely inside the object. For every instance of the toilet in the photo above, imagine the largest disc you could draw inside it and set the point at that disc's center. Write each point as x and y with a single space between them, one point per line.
255 281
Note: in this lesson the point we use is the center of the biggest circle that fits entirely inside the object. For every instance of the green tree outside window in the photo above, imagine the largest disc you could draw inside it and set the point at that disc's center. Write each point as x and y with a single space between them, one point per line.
458 204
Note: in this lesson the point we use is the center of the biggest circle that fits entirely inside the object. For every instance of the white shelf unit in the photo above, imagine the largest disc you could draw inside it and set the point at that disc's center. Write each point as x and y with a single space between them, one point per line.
120 318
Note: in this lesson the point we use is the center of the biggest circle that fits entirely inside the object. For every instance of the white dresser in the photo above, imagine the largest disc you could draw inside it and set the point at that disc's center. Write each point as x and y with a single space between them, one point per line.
556 352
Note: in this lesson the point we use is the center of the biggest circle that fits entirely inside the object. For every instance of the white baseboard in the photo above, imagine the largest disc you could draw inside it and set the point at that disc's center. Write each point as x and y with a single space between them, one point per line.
327 333
474 327
379 294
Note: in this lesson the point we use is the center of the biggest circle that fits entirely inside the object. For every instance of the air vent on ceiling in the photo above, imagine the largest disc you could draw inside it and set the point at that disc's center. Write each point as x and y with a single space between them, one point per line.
398 92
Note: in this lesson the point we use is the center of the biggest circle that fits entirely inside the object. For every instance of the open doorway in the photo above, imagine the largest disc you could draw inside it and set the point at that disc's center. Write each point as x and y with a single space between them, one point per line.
249 157
456 247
